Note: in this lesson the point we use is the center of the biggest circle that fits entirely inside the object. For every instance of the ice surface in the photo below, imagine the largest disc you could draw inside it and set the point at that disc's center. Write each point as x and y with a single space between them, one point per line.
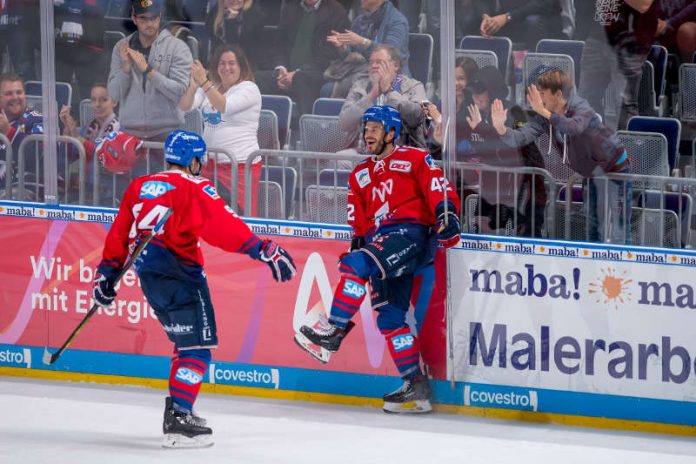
65 423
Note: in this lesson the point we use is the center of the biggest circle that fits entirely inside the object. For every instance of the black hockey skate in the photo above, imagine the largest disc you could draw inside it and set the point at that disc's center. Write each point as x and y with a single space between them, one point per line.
322 339
184 430
412 397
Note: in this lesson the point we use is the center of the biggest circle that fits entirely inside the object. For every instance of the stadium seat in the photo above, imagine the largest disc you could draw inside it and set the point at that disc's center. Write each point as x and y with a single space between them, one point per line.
687 92
110 39
481 57
669 127
86 113
678 203
647 152
420 61
501 46
281 105
328 106
327 204
268 131
286 179
63 91
193 121
653 82
322 133
572 48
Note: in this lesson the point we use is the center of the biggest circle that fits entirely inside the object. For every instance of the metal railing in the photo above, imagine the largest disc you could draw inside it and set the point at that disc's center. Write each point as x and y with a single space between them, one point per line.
325 189
9 162
38 175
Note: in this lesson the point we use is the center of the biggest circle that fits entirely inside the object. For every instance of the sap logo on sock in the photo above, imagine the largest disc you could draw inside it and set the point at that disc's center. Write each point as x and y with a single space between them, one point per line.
353 289
153 189
16 357
500 398
402 342
188 376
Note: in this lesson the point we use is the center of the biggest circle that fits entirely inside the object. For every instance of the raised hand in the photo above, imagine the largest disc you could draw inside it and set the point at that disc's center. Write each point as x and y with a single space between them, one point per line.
138 59
499 116
535 101
474 118
198 72
126 62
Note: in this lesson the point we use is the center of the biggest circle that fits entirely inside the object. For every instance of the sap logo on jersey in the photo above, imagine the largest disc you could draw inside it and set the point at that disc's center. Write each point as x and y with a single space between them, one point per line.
363 177
353 289
188 376
153 189
400 165
402 342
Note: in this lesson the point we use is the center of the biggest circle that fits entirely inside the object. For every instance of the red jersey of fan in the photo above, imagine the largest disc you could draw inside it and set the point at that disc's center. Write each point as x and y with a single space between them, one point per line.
403 188
197 212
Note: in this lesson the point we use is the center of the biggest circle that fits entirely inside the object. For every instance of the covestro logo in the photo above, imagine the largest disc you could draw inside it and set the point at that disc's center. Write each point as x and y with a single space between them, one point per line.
496 397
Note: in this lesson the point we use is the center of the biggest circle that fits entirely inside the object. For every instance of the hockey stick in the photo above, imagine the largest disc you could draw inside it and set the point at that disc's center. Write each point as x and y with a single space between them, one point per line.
448 272
49 358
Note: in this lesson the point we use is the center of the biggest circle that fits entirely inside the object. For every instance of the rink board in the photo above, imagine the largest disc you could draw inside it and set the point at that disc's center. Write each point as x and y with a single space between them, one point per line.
529 317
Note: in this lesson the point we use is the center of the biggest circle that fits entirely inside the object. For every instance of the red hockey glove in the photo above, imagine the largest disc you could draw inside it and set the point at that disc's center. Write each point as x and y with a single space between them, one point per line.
280 262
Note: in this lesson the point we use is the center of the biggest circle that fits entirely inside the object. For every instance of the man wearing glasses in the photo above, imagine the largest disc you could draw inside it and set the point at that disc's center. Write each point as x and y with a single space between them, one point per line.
149 74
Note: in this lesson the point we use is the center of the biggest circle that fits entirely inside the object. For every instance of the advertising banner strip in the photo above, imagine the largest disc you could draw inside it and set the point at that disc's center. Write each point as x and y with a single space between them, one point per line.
365 386
107 215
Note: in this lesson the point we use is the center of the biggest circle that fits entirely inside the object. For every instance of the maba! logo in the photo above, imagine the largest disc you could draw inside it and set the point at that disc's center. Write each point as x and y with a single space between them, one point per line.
611 288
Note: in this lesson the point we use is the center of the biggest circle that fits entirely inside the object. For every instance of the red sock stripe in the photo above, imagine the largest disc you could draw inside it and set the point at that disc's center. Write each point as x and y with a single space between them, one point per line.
346 307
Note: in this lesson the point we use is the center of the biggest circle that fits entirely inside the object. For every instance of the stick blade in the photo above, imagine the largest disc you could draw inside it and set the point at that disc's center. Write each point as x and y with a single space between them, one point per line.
47 357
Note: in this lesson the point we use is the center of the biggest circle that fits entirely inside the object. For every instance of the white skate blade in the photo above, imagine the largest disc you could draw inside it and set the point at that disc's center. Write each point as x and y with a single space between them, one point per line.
321 354
410 407
176 440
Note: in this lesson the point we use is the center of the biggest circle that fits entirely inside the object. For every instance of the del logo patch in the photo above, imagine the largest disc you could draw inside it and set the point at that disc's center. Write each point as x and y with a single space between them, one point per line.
210 190
363 177
153 189
400 165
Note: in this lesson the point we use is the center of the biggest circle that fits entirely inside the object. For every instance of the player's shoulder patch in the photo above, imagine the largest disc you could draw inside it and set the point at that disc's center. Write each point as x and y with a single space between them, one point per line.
211 192
363 177
154 188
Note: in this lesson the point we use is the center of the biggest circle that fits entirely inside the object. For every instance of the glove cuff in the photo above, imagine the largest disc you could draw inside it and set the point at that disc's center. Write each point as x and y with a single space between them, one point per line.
254 248
440 208
108 270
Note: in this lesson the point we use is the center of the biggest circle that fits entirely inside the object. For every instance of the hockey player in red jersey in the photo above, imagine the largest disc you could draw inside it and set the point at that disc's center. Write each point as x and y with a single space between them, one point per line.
171 269
396 207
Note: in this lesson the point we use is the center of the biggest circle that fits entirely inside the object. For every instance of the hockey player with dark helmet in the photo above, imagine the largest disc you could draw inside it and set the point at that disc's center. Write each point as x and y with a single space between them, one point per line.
183 148
396 207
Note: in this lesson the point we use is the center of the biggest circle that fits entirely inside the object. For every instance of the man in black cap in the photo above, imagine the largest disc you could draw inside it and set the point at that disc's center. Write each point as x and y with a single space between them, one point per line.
150 71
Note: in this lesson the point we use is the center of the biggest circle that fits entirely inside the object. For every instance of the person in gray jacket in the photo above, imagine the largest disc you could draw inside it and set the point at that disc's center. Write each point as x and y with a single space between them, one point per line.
150 71
588 146
386 85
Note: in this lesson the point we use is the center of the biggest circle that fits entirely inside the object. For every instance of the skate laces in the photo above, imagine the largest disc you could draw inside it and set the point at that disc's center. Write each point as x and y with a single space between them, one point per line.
323 326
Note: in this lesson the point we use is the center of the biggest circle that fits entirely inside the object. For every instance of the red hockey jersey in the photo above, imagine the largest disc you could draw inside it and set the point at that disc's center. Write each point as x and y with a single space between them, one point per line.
198 212
403 188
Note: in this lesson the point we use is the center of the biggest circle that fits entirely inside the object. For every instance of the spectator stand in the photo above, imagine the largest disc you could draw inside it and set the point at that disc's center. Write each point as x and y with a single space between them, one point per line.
572 48
420 61
281 105
501 46
328 106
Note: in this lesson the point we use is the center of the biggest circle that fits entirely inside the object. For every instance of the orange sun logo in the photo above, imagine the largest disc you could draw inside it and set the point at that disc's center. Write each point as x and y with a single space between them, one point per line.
611 289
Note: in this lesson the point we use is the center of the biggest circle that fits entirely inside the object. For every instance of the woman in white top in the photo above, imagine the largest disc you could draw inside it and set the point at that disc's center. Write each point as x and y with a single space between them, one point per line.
231 105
